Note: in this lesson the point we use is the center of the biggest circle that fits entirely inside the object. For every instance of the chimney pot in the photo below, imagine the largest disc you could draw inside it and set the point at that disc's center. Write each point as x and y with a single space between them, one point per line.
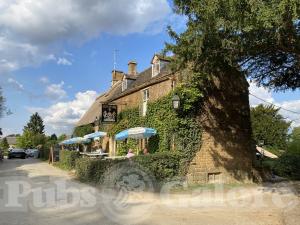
117 76
132 68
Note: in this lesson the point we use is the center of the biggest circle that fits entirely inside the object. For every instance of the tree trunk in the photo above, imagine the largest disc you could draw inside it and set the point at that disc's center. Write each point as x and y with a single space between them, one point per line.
227 152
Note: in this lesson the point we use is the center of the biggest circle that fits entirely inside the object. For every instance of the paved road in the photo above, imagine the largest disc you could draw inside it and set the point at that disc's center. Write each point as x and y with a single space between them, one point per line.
34 193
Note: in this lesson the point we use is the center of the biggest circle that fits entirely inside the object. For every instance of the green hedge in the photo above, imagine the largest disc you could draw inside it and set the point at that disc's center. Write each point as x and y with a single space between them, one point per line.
159 166
67 159
92 170
162 166
288 165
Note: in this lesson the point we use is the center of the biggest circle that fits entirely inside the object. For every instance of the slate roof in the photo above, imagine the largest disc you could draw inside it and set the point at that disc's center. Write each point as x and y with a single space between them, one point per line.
143 80
140 81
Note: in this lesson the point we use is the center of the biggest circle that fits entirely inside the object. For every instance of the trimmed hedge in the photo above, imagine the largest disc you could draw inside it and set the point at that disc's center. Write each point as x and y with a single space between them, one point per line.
92 170
160 166
67 159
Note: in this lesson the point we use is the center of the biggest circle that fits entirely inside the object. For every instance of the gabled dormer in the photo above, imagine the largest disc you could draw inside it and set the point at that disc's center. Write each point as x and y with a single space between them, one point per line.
158 62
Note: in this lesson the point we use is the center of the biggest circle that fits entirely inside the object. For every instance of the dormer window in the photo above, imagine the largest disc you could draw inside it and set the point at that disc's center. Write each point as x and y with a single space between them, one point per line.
124 84
158 63
155 68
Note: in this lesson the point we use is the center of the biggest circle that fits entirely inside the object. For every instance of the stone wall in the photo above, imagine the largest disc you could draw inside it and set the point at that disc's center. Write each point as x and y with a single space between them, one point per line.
227 151
135 99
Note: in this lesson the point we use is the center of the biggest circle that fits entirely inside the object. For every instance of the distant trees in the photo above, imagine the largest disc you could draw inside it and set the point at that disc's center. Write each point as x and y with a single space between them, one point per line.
35 124
30 140
62 137
33 133
4 144
269 126
53 137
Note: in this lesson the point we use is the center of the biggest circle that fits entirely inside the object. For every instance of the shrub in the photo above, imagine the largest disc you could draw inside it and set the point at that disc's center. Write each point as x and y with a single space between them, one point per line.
288 165
67 159
92 170
160 166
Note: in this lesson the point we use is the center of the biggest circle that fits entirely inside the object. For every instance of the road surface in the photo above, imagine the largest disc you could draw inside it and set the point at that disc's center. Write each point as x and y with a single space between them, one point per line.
35 193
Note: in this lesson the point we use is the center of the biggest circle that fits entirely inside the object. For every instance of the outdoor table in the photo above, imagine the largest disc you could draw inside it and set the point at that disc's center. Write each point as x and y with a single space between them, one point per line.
116 157
96 154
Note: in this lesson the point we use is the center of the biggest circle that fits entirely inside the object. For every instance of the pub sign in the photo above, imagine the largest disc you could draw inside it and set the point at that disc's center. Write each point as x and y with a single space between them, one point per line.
109 113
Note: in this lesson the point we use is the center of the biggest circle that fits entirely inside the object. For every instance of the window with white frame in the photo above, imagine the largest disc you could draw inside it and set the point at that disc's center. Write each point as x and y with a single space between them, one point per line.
145 101
155 68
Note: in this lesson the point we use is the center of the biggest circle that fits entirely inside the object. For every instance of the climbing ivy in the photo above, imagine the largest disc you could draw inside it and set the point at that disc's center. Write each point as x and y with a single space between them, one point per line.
177 131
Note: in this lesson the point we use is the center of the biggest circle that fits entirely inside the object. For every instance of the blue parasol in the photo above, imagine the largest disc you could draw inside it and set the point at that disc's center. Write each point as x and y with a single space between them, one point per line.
76 140
95 135
136 133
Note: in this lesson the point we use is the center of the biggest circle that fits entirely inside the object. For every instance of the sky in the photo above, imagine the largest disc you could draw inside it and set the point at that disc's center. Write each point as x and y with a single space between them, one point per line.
55 60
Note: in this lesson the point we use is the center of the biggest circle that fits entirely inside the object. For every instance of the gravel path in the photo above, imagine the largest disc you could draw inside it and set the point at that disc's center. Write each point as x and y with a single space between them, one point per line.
35 193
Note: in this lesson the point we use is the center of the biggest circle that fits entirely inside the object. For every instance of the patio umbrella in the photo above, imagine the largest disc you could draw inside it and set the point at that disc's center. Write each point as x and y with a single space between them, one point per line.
76 140
136 133
95 135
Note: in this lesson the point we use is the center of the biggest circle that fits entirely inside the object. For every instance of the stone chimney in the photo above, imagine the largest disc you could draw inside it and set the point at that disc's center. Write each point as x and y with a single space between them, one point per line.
116 76
132 68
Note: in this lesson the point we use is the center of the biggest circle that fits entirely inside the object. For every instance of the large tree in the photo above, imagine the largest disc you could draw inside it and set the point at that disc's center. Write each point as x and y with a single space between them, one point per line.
259 38
35 124
269 126
226 41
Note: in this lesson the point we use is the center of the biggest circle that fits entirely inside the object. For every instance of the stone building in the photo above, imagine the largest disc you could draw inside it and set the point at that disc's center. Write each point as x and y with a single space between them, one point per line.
226 153
129 90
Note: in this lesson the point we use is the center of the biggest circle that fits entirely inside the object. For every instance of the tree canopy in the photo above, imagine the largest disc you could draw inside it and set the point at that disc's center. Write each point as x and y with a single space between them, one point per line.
62 137
259 38
53 137
35 124
30 140
4 144
269 126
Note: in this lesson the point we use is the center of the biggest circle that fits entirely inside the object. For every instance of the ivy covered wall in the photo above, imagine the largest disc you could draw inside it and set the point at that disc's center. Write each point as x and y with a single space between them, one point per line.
177 131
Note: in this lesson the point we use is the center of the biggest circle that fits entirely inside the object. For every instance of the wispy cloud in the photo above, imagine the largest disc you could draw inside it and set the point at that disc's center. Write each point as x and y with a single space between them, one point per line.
55 91
15 84
64 61
44 80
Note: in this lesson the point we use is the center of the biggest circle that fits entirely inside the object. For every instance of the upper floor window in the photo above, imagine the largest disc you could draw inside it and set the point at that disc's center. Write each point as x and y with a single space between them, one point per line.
145 101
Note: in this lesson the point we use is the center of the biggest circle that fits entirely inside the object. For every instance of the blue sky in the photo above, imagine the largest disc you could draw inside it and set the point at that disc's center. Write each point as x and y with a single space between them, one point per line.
56 61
